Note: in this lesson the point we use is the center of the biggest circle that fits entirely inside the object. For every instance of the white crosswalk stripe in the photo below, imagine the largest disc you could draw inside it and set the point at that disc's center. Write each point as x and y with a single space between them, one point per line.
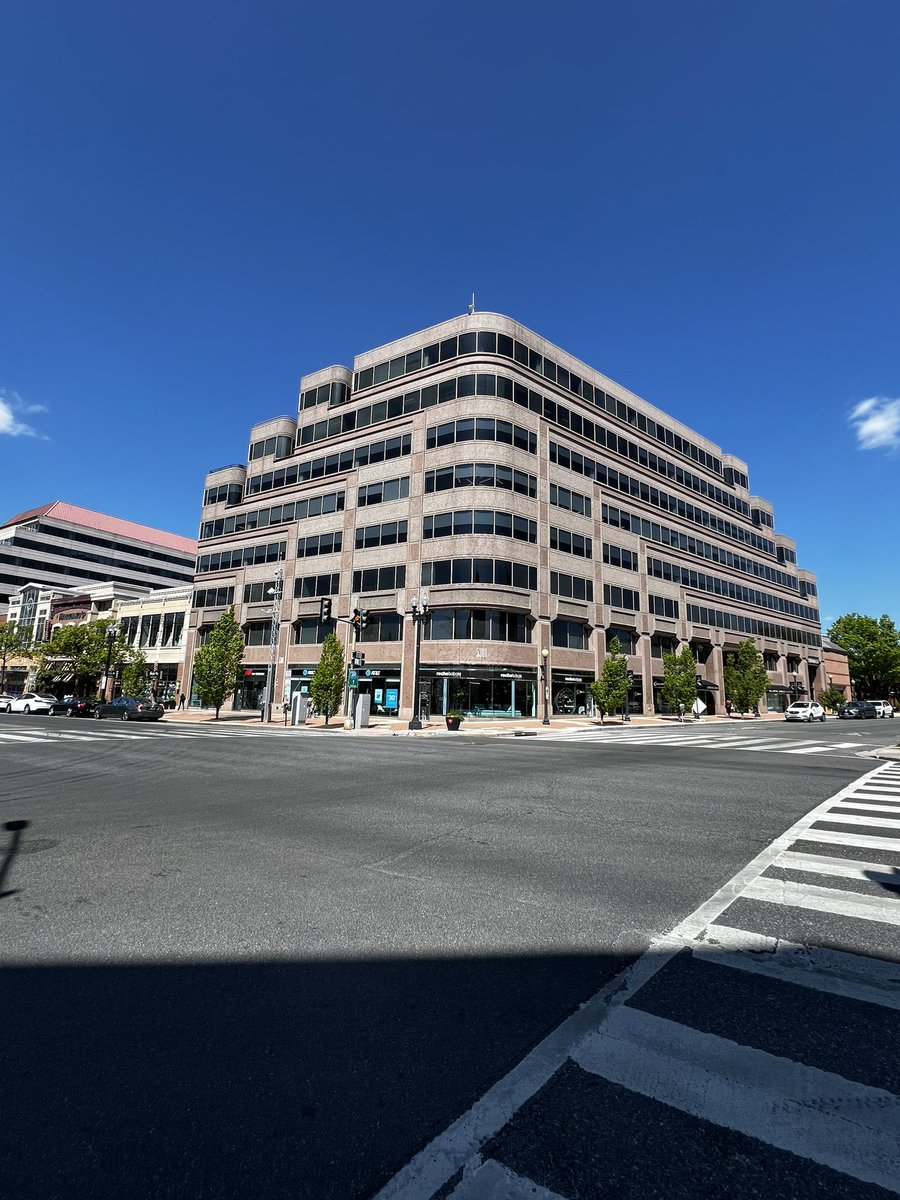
834 1102
695 740
100 732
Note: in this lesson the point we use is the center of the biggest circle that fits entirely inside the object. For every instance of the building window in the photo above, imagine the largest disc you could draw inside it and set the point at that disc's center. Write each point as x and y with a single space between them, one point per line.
480 429
319 543
382 491
476 624
391 533
660 645
618 556
573 501
246 556
256 633
571 543
379 579
480 474
571 586
570 635
213 597
663 606
481 522
627 639
308 631
383 627
619 597
310 586
496 571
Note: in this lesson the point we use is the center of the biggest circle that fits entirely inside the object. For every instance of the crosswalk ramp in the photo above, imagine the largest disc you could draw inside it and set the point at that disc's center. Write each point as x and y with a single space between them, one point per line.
696 740
754 1050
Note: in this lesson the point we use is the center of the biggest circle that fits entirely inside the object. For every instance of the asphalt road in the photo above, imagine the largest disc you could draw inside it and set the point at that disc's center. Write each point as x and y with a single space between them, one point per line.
245 962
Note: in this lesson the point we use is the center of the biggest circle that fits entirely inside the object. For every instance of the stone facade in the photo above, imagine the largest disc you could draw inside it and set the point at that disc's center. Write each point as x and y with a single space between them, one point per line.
539 504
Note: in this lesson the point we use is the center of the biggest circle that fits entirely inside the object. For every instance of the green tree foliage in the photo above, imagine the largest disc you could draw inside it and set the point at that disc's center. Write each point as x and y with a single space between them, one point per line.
746 678
873 652
680 682
610 691
327 684
134 676
217 662
15 642
832 698
77 655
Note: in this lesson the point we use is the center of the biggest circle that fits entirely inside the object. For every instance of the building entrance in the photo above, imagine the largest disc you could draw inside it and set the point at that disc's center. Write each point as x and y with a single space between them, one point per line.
480 692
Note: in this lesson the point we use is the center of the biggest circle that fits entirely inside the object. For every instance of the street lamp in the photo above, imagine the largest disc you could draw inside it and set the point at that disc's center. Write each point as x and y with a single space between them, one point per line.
545 680
275 591
419 615
111 634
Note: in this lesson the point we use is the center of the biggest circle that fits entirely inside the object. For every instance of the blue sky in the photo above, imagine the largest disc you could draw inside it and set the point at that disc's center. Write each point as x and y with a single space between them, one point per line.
203 201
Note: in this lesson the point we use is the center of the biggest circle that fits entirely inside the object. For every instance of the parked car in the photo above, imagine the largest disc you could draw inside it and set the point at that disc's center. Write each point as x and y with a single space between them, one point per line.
6 702
858 710
73 706
805 710
32 702
884 708
129 708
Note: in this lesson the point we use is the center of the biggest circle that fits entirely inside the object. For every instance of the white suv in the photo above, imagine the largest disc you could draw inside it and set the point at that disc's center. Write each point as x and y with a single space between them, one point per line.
805 710
883 708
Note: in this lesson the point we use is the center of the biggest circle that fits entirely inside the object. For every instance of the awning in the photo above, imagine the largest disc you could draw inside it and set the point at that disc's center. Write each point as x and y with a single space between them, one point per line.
779 688
706 685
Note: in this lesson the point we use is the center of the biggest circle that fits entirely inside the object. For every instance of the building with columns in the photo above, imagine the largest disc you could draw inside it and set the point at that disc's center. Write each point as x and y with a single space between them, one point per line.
537 503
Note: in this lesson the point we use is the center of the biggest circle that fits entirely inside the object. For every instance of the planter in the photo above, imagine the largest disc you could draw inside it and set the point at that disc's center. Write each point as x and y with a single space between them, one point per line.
453 723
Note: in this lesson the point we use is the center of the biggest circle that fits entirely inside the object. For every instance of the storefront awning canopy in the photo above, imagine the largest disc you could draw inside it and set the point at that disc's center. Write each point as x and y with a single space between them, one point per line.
706 685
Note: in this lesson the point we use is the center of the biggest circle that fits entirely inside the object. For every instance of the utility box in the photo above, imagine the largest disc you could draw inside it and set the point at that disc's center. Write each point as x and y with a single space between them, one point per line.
363 707
299 705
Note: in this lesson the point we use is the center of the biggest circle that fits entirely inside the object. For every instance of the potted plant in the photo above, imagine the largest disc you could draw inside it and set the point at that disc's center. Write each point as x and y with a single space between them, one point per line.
454 719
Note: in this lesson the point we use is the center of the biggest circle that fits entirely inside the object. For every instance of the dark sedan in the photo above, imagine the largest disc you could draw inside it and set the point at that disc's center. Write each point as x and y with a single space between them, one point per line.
73 706
858 710
130 708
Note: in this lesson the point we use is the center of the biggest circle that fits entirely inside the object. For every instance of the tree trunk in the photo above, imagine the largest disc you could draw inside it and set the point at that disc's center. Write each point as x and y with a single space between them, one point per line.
217 712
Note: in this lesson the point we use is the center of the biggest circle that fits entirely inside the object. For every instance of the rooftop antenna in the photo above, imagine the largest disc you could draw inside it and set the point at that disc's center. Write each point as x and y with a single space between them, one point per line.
472 305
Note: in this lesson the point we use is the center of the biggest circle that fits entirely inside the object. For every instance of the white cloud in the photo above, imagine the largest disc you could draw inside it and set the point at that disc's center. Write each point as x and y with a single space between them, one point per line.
12 407
876 422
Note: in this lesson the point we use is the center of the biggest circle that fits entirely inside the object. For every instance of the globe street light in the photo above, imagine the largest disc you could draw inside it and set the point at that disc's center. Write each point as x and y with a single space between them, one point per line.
111 634
419 615
545 680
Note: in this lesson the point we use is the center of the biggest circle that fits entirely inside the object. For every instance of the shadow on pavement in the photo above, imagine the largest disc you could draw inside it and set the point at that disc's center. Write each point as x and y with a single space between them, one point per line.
271 1079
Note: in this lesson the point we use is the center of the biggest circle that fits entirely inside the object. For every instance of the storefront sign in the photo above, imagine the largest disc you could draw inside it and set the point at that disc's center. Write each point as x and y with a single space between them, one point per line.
373 674
449 674
511 675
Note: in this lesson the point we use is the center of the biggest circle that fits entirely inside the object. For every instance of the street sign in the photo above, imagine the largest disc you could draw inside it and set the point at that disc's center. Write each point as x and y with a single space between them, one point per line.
353 679
698 708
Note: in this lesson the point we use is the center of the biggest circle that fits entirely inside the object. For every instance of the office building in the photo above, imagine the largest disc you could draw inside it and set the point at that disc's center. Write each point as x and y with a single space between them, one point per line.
63 546
540 506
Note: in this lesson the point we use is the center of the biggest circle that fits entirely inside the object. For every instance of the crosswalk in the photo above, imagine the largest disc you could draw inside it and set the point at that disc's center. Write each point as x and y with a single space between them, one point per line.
91 731
754 1050
694 739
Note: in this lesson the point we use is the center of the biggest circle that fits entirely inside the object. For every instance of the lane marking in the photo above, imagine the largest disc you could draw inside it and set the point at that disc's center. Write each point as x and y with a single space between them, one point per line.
861 804
447 1153
839 818
845 868
493 1181
824 900
834 971
833 837
813 1113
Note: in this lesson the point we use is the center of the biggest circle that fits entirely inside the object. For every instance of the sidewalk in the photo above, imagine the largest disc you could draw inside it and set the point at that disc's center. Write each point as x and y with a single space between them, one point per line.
396 727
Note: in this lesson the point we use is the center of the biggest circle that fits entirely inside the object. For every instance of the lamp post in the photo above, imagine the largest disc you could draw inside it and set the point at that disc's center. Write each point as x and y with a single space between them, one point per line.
545 680
111 634
419 615
275 591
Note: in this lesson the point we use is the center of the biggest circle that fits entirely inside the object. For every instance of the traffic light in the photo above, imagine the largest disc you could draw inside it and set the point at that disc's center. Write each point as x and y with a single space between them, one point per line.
354 620
364 618
358 660
325 609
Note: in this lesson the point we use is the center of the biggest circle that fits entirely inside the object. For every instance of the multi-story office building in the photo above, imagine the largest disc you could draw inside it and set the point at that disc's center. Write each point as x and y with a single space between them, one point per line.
64 546
542 508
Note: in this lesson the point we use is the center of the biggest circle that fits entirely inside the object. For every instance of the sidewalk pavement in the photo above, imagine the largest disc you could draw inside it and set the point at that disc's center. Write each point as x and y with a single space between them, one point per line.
394 727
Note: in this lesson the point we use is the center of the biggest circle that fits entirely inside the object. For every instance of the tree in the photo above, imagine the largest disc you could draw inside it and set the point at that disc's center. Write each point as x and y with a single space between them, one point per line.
680 682
15 642
78 654
217 662
327 684
832 698
610 691
746 678
135 676
873 653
